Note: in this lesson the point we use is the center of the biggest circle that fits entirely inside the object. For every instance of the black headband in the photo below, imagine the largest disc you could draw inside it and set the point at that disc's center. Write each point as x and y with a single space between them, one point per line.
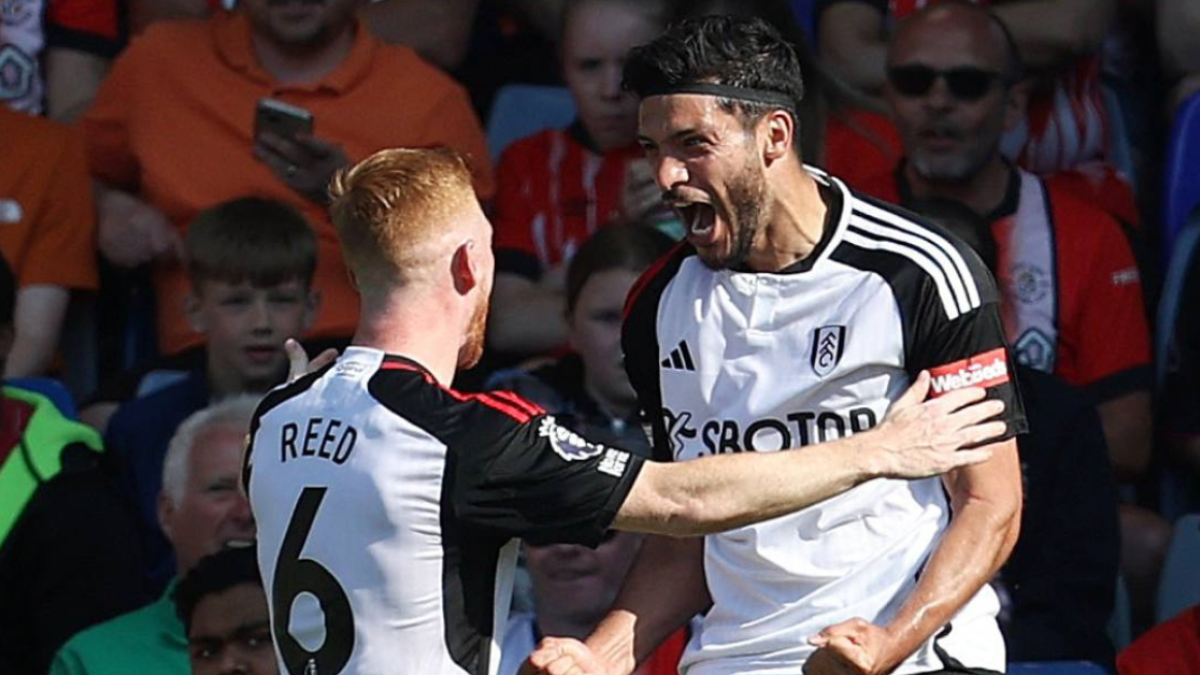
726 91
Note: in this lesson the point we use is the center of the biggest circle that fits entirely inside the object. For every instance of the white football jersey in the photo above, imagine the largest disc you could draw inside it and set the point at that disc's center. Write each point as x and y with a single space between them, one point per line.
736 361
387 510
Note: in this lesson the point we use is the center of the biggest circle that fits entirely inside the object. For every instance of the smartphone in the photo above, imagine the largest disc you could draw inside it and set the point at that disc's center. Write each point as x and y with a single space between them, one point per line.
282 119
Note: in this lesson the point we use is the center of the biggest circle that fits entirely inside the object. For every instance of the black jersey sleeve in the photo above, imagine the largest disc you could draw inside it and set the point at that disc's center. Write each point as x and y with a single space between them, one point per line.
540 481
966 350
511 469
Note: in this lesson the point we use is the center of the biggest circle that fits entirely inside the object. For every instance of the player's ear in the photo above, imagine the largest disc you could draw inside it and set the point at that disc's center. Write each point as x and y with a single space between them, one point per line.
778 129
466 267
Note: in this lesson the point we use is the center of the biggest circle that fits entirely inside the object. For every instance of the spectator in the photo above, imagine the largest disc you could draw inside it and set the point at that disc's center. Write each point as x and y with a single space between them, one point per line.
250 265
54 54
438 30
47 233
61 506
202 511
1071 295
1056 600
558 187
224 613
171 133
574 586
1059 42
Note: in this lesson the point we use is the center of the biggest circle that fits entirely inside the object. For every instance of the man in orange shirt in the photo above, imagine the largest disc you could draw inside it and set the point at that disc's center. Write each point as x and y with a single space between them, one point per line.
47 232
171 133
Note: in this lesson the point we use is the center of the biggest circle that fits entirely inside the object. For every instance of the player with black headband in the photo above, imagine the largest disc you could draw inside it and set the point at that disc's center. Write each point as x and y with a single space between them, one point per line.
804 310
388 504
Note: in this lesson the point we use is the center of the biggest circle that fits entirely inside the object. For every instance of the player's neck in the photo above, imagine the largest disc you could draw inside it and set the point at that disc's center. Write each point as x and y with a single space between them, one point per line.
981 192
796 222
405 329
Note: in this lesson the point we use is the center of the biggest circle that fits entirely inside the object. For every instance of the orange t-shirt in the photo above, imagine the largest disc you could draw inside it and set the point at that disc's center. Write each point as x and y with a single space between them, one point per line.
174 123
47 219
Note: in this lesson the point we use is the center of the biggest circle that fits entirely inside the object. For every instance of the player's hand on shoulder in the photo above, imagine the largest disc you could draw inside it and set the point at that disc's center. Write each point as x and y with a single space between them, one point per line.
562 656
854 647
920 437
298 363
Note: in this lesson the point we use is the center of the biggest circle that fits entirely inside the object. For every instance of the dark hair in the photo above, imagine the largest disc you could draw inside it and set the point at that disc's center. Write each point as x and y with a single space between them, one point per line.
779 14
733 51
261 241
1014 67
215 573
632 246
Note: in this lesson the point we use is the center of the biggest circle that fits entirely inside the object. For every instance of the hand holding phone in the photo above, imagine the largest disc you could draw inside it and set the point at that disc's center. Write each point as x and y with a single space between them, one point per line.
281 119
283 141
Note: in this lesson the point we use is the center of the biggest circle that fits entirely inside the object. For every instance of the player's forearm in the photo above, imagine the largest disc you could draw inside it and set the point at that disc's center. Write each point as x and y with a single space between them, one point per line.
714 494
979 539
662 592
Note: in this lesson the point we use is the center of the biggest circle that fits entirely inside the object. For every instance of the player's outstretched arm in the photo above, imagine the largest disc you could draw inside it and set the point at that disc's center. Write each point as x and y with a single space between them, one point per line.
917 439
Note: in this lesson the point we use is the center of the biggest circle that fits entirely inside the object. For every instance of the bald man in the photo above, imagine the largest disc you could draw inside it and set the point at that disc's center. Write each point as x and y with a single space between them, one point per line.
1071 293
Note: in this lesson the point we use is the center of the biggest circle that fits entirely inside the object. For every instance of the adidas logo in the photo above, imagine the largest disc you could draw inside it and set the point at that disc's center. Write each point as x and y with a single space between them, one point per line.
680 359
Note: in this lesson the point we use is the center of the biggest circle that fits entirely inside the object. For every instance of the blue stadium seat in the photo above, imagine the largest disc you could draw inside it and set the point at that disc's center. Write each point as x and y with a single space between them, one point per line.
1179 585
520 110
1184 256
806 17
1056 668
1178 491
1181 176
51 389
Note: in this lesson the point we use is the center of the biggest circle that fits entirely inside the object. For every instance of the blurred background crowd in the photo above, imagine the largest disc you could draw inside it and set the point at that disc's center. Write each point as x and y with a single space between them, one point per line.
163 231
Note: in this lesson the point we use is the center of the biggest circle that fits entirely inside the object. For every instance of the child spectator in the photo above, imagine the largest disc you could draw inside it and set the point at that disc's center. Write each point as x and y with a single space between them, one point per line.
250 266
556 188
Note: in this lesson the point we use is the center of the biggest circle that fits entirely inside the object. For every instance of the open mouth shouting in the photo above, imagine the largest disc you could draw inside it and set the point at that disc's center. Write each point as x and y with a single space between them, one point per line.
700 219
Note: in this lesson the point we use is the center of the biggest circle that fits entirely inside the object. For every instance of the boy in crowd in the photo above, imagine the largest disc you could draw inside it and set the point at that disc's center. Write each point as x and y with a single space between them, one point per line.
250 265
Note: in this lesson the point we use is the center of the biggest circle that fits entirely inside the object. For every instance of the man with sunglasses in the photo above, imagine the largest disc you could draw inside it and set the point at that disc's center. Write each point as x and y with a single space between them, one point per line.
1068 279
1071 294
796 309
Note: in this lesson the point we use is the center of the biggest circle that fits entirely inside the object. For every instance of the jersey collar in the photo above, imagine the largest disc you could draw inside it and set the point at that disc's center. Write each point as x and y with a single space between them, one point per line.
833 193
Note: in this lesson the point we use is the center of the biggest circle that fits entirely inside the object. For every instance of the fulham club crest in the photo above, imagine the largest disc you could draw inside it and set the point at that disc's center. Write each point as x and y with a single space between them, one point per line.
828 344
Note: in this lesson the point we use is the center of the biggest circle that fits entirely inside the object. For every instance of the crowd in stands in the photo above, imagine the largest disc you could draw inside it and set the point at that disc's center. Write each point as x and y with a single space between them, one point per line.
194 240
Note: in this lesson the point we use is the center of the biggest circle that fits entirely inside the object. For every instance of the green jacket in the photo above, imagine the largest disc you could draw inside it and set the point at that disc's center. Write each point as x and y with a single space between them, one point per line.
38 459
148 641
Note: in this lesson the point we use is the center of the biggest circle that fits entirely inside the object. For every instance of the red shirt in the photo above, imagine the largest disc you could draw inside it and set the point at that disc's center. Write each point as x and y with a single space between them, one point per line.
1101 338
552 193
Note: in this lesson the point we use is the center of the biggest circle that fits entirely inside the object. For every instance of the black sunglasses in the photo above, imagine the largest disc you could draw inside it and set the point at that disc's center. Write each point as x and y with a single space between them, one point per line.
966 83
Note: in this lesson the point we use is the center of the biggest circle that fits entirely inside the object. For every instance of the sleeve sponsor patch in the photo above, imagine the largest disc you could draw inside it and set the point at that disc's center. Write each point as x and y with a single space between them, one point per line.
987 370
